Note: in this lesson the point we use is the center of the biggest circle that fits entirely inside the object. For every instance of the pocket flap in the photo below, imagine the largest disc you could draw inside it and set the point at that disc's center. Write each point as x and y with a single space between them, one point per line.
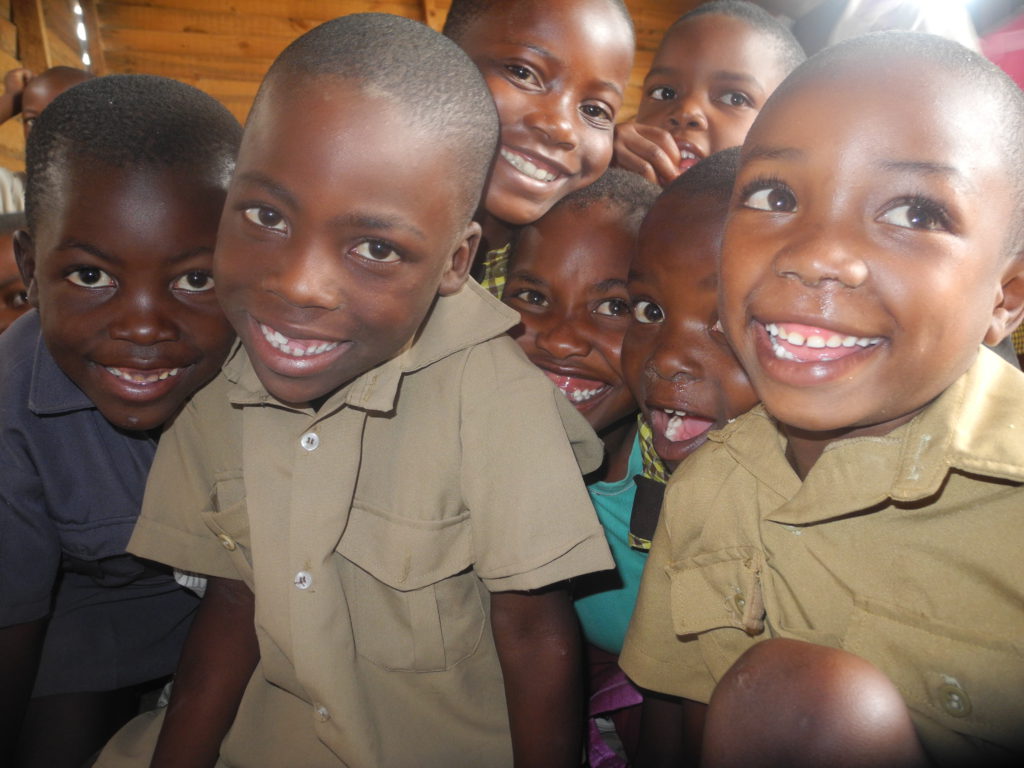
718 589
403 553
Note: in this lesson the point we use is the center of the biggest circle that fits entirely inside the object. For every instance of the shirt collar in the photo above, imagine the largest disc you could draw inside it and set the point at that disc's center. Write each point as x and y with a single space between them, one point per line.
50 389
971 427
455 322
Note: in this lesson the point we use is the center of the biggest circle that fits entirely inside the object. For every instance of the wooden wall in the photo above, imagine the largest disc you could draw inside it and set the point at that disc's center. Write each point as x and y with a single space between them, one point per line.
222 46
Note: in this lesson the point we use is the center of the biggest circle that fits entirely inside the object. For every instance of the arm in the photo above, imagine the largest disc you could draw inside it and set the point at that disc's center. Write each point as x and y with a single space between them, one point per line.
10 100
538 645
20 645
671 730
217 661
647 150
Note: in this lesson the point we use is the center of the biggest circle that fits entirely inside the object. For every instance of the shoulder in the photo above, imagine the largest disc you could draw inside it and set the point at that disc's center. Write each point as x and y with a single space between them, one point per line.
18 345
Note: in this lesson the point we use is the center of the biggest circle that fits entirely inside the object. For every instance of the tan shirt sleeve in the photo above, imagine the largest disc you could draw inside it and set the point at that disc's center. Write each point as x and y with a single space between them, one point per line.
193 478
533 523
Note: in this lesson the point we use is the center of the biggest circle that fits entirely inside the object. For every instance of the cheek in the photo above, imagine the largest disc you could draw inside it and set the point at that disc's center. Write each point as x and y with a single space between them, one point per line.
596 148
730 131
636 349
508 100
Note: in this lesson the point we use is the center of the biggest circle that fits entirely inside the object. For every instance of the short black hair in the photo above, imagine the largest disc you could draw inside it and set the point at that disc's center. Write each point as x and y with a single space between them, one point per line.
464 12
629 192
713 177
411 64
127 121
940 55
788 50
11 222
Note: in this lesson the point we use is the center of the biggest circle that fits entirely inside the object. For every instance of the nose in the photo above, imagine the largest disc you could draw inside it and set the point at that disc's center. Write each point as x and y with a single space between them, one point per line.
307 277
822 256
688 113
561 338
676 355
554 116
145 319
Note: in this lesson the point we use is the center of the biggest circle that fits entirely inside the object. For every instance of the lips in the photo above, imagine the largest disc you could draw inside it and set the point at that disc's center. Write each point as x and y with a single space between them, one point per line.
534 166
295 347
689 155
809 344
677 433
582 393
148 376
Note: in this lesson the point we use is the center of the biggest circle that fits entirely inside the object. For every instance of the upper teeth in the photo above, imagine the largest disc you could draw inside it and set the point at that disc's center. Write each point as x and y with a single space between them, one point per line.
279 341
579 395
524 166
141 378
817 341
686 154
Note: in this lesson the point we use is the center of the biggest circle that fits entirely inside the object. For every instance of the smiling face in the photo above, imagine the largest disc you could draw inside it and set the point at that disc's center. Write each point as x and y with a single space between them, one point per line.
329 255
710 78
675 356
121 276
865 251
557 72
568 281
13 298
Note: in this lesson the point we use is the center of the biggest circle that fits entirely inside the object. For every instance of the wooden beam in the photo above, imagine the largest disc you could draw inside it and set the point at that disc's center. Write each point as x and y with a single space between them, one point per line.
33 46
92 32
434 13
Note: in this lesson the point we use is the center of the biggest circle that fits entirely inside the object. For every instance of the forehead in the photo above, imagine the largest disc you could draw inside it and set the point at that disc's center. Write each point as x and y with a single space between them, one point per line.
715 41
571 245
680 238
898 114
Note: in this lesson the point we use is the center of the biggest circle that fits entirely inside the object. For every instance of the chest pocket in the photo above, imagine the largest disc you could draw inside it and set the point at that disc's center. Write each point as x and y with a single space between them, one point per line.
415 601
229 522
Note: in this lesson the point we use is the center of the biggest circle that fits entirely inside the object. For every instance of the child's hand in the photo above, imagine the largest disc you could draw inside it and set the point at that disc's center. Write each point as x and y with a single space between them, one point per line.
14 83
647 150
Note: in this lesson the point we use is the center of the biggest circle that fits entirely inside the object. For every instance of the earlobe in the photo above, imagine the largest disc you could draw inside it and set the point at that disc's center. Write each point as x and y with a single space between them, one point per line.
455 274
1009 309
25 255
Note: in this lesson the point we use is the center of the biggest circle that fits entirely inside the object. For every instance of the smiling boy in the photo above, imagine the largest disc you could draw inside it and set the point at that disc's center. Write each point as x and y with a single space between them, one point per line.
873 503
712 73
126 178
379 484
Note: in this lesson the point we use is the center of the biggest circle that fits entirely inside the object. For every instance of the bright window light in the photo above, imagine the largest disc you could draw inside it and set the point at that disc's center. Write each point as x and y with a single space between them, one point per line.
80 31
77 9
86 59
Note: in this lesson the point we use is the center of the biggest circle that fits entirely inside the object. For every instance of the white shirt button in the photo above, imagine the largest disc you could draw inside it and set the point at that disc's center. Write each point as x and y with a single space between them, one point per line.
310 441
227 542
322 713
303 579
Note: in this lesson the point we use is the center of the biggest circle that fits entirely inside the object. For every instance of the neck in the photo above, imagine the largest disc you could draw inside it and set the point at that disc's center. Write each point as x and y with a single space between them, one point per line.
496 233
805 447
618 444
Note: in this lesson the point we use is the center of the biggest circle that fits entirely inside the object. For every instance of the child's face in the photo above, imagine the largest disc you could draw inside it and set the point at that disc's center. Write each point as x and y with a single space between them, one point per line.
121 275
675 357
709 79
13 300
568 280
329 254
557 72
864 256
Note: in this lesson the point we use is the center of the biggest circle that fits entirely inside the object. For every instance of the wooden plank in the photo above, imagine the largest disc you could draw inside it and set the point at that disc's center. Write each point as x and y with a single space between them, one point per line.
435 12
186 66
308 9
92 30
8 37
117 40
33 47
120 16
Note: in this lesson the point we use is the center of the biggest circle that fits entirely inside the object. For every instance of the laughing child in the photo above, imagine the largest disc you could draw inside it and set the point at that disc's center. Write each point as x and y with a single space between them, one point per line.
712 73
558 74
844 560
379 484
126 179
13 297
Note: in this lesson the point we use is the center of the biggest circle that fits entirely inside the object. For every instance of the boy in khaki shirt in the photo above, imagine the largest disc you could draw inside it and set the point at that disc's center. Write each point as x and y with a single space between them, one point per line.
379 481
838 571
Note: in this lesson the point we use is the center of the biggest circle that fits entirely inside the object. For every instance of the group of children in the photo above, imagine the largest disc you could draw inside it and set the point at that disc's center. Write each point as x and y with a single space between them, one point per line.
385 489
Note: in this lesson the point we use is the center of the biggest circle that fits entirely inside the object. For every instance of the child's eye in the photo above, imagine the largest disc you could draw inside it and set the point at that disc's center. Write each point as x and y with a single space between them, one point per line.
16 299
735 99
265 217
523 74
662 93
917 214
598 113
613 308
197 281
532 297
775 198
647 312
90 277
377 250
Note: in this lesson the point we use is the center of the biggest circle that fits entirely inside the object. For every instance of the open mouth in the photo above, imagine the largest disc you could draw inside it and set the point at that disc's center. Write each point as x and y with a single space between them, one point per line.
688 156
133 376
527 167
678 426
295 347
581 392
807 344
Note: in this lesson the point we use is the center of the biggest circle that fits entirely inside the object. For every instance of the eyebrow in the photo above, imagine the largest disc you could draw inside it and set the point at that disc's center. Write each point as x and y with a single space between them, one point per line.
765 152
547 54
923 168
607 285
275 188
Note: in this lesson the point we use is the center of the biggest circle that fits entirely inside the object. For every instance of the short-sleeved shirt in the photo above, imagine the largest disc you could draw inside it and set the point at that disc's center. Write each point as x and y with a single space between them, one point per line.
904 549
372 532
71 491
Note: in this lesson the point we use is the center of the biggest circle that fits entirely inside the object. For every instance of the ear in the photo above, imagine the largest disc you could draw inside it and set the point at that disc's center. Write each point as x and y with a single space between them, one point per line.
1009 308
25 255
457 271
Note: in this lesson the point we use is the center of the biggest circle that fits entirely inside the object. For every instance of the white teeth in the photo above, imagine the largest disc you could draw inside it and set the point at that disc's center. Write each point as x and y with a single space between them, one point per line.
527 168
815 341
138 378
675 424
280 342
582 395
686 154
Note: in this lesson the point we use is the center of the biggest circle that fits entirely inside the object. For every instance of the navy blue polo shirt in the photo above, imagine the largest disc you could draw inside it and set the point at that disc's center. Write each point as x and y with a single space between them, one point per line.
71 487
